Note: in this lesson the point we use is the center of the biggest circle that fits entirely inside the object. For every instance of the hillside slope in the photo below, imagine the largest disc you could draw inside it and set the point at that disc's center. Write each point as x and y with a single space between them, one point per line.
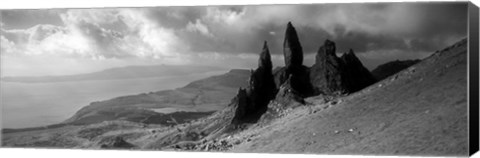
419 111
384 70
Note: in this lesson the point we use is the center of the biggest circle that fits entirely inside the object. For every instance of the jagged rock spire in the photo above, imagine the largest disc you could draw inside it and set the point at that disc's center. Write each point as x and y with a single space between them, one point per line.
356 75
265 58
253 102
292 50
331 74
326 75
242 102
350 58
326 51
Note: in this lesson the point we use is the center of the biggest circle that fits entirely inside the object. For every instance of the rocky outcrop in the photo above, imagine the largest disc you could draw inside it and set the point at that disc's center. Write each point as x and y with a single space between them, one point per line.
253 101
292 50
329 75
326 75
333 75
286 99
356 75
287 96
242 103
116 143
293 55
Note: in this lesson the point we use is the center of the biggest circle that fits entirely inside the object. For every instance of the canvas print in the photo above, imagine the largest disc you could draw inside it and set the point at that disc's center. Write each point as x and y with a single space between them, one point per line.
352 78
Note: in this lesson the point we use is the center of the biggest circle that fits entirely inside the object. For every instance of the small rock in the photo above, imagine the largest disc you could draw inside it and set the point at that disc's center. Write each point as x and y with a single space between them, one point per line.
350 130
206 147
336 131
237 142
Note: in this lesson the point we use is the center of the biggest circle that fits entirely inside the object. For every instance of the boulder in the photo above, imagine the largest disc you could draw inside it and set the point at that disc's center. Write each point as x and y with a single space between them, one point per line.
116 143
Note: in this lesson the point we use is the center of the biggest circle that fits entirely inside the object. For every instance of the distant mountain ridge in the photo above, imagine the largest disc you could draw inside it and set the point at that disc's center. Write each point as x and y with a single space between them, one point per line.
387 69
198 97
128 72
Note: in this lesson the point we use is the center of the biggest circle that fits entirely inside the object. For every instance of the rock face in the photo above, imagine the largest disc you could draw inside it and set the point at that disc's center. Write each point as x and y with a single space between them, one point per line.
286 98
356 75
287 95
333 75
253 101
117 143
293 54
326 75
242 104
292 50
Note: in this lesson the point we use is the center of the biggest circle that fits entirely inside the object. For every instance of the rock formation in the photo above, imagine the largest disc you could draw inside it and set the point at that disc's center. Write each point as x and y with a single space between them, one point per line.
253 101
329 75
292 50
333 75
326 74
293 54
287 96
116 143
356 75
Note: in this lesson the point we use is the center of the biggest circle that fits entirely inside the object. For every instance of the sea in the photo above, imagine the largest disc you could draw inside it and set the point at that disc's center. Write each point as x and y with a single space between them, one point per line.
26 105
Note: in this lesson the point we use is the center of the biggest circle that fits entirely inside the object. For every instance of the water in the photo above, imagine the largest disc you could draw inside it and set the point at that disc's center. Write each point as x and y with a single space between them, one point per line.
38 104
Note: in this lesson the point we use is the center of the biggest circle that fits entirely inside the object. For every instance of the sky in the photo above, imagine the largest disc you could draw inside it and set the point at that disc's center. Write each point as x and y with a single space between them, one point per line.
71 41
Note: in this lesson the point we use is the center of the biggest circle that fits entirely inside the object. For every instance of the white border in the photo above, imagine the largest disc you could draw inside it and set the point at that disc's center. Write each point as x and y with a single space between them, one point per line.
53 153
37 4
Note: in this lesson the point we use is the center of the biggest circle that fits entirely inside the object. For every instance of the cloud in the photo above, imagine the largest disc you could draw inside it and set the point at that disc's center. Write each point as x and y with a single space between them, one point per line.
198 26
6 44
91 33
179 35
44 39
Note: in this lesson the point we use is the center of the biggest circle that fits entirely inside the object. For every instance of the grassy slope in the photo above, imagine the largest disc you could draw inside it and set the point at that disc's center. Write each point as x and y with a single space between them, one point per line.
387 69
419 111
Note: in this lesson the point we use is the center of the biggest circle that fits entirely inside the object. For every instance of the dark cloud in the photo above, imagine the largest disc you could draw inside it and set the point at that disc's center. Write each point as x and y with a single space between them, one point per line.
26 18
103 40
363 27
175 17
367 27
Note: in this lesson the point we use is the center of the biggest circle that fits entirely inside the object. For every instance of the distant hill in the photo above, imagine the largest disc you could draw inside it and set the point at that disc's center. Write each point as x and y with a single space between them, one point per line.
128 72
387 69
198 98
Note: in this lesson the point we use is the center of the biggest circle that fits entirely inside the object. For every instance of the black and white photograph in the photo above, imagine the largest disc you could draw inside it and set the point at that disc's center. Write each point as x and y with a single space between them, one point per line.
383 78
